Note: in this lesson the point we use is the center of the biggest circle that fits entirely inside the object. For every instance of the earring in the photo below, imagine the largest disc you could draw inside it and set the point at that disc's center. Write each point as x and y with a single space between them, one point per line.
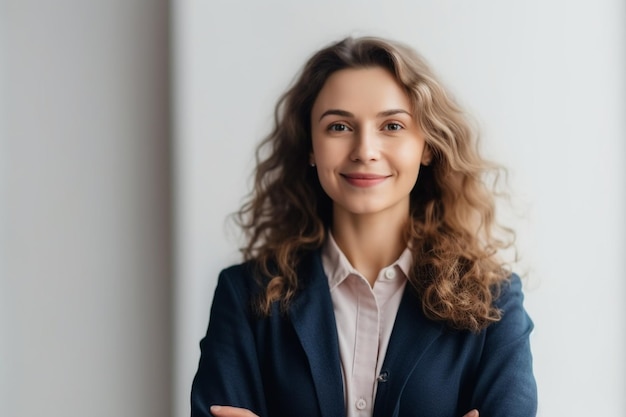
312 164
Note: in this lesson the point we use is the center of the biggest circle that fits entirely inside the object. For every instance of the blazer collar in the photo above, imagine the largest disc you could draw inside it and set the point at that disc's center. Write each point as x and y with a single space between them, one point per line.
313 318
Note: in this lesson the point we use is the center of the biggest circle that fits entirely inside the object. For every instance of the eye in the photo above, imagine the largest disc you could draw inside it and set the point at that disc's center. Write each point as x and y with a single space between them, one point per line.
393 126
338 127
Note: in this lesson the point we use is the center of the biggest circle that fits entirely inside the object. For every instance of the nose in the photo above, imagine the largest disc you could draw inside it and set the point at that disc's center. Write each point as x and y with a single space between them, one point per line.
365 148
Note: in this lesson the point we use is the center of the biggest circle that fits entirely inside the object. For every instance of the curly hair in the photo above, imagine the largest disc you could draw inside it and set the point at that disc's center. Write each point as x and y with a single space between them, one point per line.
452 233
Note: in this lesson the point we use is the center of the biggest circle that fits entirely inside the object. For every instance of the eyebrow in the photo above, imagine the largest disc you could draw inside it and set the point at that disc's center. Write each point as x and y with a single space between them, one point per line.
343 113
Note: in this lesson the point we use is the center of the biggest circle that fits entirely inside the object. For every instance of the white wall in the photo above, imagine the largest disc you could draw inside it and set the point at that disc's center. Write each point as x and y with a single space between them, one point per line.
544 79
84 209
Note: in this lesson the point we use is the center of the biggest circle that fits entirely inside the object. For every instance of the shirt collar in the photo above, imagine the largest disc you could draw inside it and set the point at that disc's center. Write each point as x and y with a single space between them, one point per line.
337 267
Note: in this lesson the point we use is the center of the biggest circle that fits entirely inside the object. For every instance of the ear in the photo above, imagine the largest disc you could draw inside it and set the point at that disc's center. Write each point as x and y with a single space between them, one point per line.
427 156
312 159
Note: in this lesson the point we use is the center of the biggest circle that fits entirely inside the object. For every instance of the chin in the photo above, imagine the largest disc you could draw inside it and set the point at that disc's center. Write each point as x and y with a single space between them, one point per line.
365 209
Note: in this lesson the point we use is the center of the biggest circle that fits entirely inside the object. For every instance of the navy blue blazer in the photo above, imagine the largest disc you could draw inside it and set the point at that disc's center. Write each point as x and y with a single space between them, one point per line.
288 364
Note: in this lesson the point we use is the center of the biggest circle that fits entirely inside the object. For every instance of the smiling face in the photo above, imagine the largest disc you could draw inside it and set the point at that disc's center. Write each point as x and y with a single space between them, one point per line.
366 144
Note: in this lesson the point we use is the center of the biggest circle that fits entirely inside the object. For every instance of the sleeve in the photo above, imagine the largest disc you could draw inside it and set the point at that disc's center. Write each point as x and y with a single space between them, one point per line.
505 384
228 371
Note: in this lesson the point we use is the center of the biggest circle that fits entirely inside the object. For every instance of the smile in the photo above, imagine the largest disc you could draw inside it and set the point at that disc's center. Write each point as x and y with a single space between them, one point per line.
364 180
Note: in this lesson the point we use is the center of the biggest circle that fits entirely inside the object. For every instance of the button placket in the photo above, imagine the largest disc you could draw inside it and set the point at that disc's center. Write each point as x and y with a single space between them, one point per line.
361 403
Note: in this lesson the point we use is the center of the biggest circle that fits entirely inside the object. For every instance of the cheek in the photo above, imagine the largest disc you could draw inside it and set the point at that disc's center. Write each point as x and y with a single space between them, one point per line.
327 175
328 156
409 159
327 179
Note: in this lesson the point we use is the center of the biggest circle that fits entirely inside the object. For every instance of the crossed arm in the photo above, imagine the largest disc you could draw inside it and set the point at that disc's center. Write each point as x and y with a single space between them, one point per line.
225 411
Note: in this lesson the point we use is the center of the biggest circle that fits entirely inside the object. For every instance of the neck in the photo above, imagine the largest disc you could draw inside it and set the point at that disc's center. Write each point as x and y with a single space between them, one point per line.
370 242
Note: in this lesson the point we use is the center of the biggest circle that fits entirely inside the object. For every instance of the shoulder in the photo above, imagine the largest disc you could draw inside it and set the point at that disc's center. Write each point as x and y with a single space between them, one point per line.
241 278
510 294
251 276
241 271
515 321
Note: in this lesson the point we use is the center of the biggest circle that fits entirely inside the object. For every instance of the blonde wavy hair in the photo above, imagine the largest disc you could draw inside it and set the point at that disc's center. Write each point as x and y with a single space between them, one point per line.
453 233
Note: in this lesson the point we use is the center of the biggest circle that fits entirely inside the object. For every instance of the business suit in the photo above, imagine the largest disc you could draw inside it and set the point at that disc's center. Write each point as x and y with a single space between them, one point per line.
288 364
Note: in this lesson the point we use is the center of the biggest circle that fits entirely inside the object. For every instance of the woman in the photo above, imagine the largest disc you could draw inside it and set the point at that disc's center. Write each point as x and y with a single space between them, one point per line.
372 285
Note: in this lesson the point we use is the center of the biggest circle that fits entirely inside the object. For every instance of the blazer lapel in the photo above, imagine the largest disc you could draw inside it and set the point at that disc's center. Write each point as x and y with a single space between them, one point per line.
312 315
411 336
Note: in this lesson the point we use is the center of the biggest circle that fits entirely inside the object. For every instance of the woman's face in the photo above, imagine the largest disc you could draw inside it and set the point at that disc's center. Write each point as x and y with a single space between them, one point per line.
367 146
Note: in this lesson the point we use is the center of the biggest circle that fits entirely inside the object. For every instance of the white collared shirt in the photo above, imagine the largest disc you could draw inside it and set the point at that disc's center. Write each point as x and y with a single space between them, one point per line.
364 316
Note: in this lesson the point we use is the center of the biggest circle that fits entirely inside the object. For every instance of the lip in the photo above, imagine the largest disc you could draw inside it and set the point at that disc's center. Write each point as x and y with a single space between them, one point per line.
362 179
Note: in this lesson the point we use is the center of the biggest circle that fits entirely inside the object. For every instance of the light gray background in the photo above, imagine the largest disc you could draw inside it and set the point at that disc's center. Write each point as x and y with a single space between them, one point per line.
88 284
85 242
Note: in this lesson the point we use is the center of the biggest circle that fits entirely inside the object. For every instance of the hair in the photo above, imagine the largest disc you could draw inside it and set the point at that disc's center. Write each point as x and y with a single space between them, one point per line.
452 233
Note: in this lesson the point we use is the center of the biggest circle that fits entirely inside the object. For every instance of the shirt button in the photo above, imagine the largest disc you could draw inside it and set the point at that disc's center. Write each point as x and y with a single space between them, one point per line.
390 273
383 377
361 404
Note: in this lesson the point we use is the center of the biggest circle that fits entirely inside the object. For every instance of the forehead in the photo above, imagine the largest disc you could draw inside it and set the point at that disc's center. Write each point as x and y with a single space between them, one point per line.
363 89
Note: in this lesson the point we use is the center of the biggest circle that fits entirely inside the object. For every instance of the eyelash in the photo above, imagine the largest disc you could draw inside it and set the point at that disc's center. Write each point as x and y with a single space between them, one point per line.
342 127
333 127
398 126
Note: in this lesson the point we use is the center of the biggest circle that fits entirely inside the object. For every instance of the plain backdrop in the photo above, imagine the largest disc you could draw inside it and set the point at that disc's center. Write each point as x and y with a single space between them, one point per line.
121 158
545 83
85 218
